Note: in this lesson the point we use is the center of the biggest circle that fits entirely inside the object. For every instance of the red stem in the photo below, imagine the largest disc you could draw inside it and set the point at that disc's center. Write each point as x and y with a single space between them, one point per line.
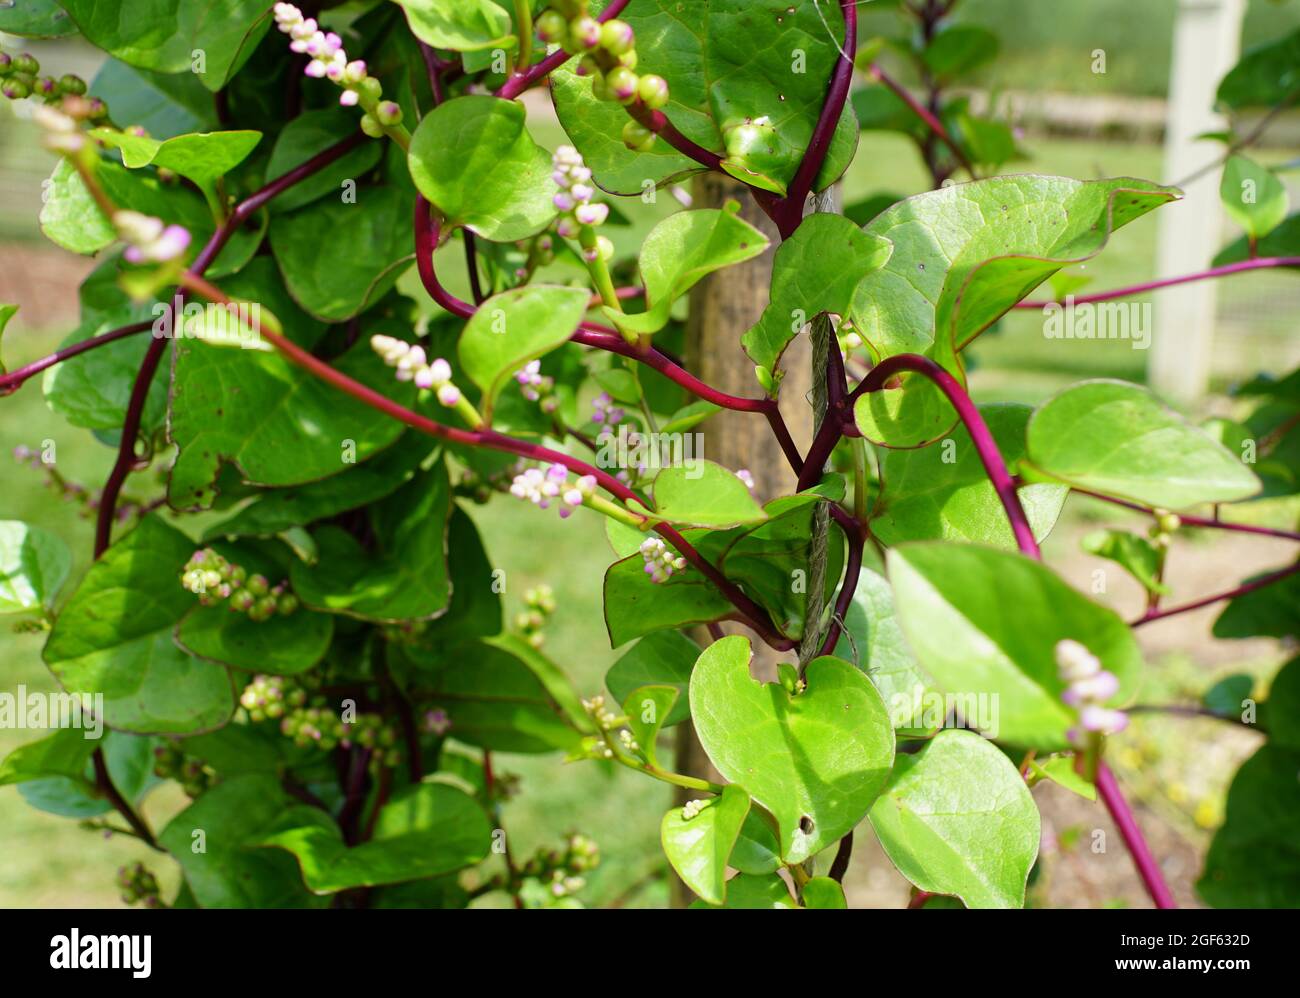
789 213
857 538
11 382
522 81
985 446
1260 263
1194 521
922 112
1147 867
1241 590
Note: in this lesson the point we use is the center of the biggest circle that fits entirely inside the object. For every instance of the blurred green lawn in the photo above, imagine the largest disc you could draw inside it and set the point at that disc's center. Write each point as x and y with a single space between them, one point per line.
45 860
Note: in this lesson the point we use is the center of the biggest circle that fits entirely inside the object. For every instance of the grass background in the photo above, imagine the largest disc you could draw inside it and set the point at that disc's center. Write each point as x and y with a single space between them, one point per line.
48 861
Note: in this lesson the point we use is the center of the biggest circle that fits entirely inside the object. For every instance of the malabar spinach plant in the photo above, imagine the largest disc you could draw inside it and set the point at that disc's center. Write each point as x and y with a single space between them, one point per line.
292 616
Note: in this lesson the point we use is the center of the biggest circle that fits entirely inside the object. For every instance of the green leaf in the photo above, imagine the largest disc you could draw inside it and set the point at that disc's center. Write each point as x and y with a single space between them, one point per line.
1253 196
963 256
1060 769
635 606
823 892
492 697
664 658
816 270
459 25
698 847
1254 859
475 608
214 840
282 645
425 830
1265 612
35 19
958 819
1227 697
288 427
704 494
64 753
165 105
514 327
873 639
129 761
114 638
203 158
958 49
942 492
404 577
310 133
1136 555
1266 75
92 390
33 565
473 158
274 511
646 709
756 850
339 257
845 742
681 250
170 35
7 312
1135 448
1281 711
596 128
985 624
746 891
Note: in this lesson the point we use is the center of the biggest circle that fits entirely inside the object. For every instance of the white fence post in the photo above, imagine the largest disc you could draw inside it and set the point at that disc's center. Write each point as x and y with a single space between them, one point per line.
1207 41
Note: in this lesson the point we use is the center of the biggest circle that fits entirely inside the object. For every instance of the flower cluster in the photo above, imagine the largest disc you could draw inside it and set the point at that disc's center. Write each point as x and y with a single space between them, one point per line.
413 365
170 763
609 57
604 412
139 886
574 199
18 73
307 718
1088 687
558 871
660 560
536 386
744 475
330 61
149 239
437 722
540 601
540 487
212 578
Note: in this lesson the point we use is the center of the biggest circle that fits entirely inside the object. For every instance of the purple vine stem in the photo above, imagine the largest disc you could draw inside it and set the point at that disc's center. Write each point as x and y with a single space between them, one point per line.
1147 867
1241 590
11 382
1194 521
522 81
1259 263
922 112
985 447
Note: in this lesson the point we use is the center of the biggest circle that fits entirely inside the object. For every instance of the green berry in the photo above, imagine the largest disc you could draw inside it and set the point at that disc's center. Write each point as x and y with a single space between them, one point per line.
71 84
263 609
26 63
637 137
6 64
617 37
388 114
371 127
552 26
16 89
285 604
622 83
257 585
653 91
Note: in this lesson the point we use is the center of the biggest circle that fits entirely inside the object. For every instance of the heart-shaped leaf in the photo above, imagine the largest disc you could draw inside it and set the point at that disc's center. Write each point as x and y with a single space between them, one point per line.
1137 555
816 270
681 250
985 624
664 658
646 709
473 158
698 847
1120 440
635 605
36 19
845 744
114 639
33 565
302 138
1253 196
747 891
425 830
942 492
514 327
704 494
204 158
460 25
957 818
823 892
963 256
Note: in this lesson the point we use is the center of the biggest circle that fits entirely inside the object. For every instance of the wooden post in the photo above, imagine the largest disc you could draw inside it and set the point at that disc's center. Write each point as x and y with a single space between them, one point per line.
1207 40
723 307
